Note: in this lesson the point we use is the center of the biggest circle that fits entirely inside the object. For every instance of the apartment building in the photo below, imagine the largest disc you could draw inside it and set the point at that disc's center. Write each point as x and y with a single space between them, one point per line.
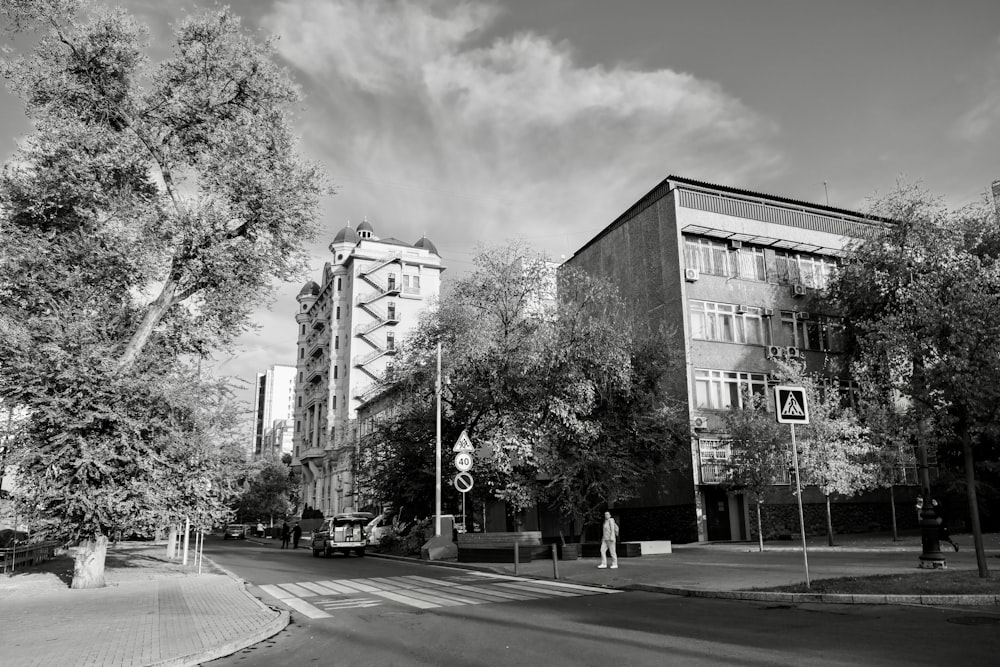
350 325
274 396
732 272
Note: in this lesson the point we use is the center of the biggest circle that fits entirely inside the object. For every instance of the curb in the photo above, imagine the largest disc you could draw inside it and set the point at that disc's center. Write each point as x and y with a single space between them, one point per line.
753 596
830 598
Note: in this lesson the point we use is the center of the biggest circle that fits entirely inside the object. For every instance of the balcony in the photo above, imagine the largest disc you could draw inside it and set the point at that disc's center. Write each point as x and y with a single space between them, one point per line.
714 455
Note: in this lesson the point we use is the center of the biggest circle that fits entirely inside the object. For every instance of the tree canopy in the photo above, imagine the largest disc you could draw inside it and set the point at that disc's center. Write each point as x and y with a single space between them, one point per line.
146 214
922 307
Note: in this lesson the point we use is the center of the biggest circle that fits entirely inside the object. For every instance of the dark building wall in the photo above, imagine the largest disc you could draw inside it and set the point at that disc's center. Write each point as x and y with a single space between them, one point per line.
641 257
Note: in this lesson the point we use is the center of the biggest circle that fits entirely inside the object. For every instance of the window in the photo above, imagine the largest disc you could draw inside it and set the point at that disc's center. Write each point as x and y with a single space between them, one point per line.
336 342
303 333
339 283
392 281
721 390
302 353
390 340
335 372
721 322
709 257
334 401
749 262
391 307
819 332
338 312
411 284
810 270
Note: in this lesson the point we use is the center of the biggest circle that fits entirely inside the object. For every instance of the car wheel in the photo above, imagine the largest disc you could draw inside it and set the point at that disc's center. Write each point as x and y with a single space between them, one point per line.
360 552
327 553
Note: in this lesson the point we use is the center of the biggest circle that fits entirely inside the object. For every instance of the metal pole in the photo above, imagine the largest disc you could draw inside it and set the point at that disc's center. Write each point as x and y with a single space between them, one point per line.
555 562
516 556
798 493
437 451
187 533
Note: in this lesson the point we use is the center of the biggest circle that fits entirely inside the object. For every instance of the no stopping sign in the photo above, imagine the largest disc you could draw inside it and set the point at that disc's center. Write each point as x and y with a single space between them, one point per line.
463 482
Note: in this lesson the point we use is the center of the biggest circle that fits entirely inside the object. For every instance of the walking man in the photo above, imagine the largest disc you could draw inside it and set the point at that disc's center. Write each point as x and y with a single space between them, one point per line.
609 542
285 533
296 534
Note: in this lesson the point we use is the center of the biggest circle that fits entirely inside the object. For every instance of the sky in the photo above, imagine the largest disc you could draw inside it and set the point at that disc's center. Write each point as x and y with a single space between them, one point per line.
543 120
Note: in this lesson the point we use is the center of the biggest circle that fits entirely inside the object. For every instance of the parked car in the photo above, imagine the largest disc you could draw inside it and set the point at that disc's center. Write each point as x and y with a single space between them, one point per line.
379 527
236 531
342 532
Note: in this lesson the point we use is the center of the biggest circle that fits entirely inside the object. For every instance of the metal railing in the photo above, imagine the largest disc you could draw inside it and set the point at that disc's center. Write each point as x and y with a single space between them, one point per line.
24 555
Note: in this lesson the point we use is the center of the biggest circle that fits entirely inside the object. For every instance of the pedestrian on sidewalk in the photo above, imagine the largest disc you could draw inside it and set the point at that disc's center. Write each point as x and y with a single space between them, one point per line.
943 535
296 535
285 534
609 542
260 529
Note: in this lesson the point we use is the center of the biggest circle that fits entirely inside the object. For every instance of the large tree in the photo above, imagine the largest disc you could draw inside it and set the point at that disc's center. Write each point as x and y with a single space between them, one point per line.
561 396
922 302
141 221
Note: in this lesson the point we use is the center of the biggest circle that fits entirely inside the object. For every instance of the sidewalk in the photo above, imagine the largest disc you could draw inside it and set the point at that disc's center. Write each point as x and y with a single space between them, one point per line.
158 612
152 612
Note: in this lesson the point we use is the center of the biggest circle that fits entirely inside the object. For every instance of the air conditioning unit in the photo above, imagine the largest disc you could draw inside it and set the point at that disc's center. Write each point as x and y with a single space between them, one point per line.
767 312
802 316
699 423
691 275
774 352
742 309
735 245
798 289
792 352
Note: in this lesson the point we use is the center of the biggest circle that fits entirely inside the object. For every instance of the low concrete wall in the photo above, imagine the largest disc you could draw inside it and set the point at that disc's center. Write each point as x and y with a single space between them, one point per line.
650 547
489 540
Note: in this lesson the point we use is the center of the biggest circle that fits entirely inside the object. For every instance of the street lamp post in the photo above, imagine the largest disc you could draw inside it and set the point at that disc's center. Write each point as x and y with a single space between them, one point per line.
437 450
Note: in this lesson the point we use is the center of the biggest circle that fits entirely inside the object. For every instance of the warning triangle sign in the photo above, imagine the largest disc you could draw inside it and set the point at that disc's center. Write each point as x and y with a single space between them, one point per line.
463 444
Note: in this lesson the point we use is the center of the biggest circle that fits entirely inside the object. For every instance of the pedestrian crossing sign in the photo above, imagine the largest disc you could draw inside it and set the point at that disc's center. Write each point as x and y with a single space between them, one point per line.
790 405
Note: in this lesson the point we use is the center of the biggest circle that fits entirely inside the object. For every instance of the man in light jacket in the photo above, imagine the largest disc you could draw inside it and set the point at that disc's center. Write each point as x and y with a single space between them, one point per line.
609 542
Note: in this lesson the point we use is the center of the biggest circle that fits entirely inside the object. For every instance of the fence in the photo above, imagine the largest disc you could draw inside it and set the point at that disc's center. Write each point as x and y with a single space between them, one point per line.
26 554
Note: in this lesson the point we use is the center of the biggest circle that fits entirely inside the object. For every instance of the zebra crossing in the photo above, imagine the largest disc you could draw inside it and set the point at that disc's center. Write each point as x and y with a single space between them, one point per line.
322 599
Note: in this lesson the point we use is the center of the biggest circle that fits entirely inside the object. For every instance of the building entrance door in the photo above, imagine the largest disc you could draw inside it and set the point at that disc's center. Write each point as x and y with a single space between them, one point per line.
717 514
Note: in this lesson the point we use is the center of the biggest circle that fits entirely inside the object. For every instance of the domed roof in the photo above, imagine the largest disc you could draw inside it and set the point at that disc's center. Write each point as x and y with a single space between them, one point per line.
365 226
309 289
347 235
425 243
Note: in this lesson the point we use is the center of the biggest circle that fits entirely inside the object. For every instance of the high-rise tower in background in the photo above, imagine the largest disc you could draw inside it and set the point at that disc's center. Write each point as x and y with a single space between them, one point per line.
349 328
274 395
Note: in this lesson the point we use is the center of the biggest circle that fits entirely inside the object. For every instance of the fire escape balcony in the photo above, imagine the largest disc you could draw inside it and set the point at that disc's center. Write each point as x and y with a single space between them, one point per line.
392 258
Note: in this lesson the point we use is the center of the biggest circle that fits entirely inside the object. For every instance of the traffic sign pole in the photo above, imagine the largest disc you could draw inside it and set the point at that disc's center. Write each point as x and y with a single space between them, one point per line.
798 494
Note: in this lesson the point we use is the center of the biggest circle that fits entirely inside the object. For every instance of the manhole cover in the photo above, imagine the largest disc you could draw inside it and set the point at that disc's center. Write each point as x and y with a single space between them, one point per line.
975 620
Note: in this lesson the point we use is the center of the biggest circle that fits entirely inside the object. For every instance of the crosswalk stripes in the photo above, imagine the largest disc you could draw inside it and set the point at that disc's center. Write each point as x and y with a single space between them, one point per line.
316 599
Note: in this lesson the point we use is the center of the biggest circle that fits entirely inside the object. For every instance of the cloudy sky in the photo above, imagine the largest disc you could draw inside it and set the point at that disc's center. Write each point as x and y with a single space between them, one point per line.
476 122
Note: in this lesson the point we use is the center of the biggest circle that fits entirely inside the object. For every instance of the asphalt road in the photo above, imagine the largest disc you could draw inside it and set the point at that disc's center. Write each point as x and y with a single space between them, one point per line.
370 611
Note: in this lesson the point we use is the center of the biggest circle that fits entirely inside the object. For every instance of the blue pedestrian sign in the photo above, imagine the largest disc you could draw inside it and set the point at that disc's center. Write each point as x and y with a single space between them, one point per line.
790 405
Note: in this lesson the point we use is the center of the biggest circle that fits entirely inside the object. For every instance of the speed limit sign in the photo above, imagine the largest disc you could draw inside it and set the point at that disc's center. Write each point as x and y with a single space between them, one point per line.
463 461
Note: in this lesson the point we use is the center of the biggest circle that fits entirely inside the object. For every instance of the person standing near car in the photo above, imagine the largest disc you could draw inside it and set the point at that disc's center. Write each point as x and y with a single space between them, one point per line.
285 534
296 535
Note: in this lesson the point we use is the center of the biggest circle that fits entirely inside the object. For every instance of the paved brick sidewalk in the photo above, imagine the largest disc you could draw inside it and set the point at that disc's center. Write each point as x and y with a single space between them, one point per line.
148 616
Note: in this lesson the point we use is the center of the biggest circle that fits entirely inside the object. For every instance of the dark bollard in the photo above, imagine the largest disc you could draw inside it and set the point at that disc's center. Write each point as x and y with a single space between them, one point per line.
515 558
555 563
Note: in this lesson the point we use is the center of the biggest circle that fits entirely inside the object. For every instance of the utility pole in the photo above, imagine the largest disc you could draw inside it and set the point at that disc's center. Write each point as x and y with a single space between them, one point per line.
437 450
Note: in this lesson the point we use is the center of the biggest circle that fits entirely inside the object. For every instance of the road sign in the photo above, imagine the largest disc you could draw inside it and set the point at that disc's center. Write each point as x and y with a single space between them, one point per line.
463 482
463 461
463 444
790 405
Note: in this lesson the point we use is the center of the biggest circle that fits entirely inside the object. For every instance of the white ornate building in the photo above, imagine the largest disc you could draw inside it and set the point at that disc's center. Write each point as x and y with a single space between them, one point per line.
349 327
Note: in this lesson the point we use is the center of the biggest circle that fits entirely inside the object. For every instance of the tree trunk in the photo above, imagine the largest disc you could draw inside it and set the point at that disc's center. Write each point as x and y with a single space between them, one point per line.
88 568
829 522
154 313
892 505
172 542
760 528
970 486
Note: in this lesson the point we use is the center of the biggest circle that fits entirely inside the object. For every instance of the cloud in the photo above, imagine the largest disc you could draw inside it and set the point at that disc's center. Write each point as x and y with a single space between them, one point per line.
429 126
983 117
